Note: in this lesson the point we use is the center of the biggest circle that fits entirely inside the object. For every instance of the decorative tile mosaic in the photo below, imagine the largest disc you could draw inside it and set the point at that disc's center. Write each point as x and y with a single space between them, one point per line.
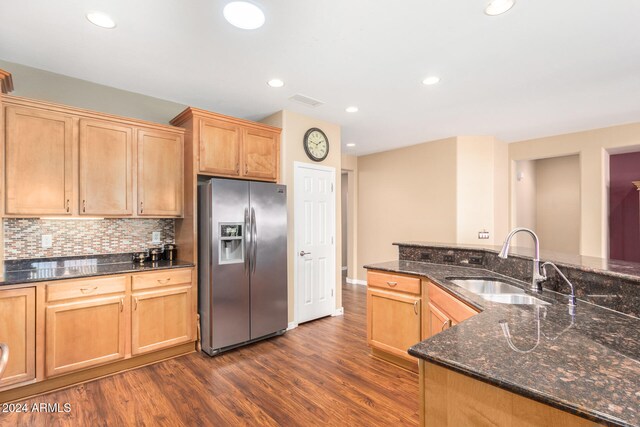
23 236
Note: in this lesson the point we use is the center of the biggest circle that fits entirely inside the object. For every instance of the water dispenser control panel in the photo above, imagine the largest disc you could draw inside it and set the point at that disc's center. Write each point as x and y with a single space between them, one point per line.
231 250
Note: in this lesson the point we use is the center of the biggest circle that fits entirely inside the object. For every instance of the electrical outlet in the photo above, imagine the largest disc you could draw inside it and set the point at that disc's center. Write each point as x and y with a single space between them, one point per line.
155 237
449 258
47 241
484 234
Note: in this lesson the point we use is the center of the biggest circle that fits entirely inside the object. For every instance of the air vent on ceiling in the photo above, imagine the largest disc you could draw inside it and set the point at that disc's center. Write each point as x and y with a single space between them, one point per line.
306 100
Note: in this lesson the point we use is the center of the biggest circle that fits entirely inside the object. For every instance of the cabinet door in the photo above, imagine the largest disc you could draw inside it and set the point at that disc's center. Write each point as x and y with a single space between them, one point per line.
105 168
393 321
438 321
84 334
161 318
39 171
18 331
160 175
260 154
219 148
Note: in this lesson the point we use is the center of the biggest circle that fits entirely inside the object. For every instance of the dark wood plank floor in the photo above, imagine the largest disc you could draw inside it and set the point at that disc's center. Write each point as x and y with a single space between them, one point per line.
320 373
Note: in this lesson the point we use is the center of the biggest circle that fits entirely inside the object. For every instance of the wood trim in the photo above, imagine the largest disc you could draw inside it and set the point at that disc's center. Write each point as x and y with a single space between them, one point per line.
28 296
84 113
80 377
6 82
637 184
190 112
409 365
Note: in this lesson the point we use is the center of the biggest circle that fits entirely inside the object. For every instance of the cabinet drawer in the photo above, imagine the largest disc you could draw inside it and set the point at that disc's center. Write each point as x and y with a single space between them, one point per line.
161 278
69 289
451 306
396 282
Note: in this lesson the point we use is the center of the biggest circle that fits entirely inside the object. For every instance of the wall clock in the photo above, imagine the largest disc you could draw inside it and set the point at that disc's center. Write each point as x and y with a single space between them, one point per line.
316 144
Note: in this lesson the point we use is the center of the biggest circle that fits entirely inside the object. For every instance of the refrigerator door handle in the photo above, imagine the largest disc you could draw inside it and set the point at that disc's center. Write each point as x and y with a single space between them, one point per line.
247 242
254 239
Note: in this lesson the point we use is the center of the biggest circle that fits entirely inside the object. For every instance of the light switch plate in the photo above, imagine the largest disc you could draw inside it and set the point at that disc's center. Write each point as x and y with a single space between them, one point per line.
47 241
155 237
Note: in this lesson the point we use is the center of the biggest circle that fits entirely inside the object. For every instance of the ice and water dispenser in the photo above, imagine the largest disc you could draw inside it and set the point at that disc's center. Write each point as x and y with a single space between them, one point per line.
231 249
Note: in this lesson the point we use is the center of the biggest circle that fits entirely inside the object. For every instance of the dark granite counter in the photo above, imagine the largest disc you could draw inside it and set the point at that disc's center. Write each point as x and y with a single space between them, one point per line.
587 363
50 269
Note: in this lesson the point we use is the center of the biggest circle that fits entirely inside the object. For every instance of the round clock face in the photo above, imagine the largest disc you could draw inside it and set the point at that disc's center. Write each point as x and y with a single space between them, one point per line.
316 144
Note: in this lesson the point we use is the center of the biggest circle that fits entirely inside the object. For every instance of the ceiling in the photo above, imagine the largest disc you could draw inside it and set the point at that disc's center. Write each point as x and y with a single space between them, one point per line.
545 67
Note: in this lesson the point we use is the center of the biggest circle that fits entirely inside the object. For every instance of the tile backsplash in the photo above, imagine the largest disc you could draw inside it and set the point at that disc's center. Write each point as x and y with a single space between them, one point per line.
23 236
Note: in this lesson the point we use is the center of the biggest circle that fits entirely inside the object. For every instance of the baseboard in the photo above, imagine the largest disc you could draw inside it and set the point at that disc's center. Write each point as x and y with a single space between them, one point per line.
292 325
356 282
344 268
338 312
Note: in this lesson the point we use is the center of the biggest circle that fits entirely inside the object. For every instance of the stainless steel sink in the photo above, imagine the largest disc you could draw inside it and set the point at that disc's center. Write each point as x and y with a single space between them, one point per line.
514 299
487 286
498 291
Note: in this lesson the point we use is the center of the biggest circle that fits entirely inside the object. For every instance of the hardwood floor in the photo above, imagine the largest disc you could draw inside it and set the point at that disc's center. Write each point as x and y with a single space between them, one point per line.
320 373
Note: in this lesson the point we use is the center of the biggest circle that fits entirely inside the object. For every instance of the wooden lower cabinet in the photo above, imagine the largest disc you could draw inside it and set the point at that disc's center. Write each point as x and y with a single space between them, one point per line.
84 333
18 331
438 321
393 321
161 318
451 399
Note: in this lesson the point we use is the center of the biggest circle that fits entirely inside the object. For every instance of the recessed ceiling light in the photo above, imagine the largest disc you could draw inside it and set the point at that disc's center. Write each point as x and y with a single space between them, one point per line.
243 15
351 144
352 109
275 83
498 7
431 80
101 19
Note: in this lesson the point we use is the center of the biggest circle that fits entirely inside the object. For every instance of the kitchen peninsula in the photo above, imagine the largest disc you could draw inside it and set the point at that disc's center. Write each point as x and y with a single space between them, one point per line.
514 364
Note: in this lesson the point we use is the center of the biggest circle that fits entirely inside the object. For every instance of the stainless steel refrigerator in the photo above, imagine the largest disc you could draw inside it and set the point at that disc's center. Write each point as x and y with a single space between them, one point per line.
242 268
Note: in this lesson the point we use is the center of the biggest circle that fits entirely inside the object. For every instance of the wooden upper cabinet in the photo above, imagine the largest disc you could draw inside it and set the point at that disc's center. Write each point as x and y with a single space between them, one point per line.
219 148
160 177
261 154
230 147
106 150
18 331
39 162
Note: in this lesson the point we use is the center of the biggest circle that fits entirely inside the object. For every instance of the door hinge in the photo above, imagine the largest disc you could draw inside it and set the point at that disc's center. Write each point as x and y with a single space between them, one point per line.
332 187
332 240
331 292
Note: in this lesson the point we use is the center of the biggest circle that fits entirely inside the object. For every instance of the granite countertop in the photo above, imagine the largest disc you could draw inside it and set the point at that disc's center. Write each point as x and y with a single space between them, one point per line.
611 267
50 269
587 363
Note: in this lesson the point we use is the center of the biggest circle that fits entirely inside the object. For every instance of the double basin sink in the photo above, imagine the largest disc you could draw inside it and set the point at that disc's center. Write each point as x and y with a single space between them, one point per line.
497 291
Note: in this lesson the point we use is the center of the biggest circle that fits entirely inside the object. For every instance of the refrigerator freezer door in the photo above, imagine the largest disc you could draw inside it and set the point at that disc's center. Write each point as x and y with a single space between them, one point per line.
230 295
269 262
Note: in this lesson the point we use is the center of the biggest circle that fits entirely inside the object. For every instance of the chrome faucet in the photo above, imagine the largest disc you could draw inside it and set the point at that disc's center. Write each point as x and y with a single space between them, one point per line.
572 297
537 278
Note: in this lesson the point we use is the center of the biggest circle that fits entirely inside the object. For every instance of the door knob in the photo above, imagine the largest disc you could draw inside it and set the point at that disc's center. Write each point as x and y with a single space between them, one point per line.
303 253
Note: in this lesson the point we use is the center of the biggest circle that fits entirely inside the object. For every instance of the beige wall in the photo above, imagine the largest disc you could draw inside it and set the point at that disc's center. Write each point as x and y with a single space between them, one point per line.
524 193
344 217
350 166
405 194
482 189
40 84
558 203
592 147
294 126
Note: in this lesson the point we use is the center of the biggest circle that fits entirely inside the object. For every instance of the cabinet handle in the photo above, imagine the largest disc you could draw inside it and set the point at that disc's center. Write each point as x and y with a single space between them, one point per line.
164 281
135 303
121 304
84 206
68 206
446 323
392 284
415 307
88 290
141 207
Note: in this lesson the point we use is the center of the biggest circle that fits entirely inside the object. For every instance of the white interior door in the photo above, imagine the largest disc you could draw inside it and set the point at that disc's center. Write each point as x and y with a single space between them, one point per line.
315 249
